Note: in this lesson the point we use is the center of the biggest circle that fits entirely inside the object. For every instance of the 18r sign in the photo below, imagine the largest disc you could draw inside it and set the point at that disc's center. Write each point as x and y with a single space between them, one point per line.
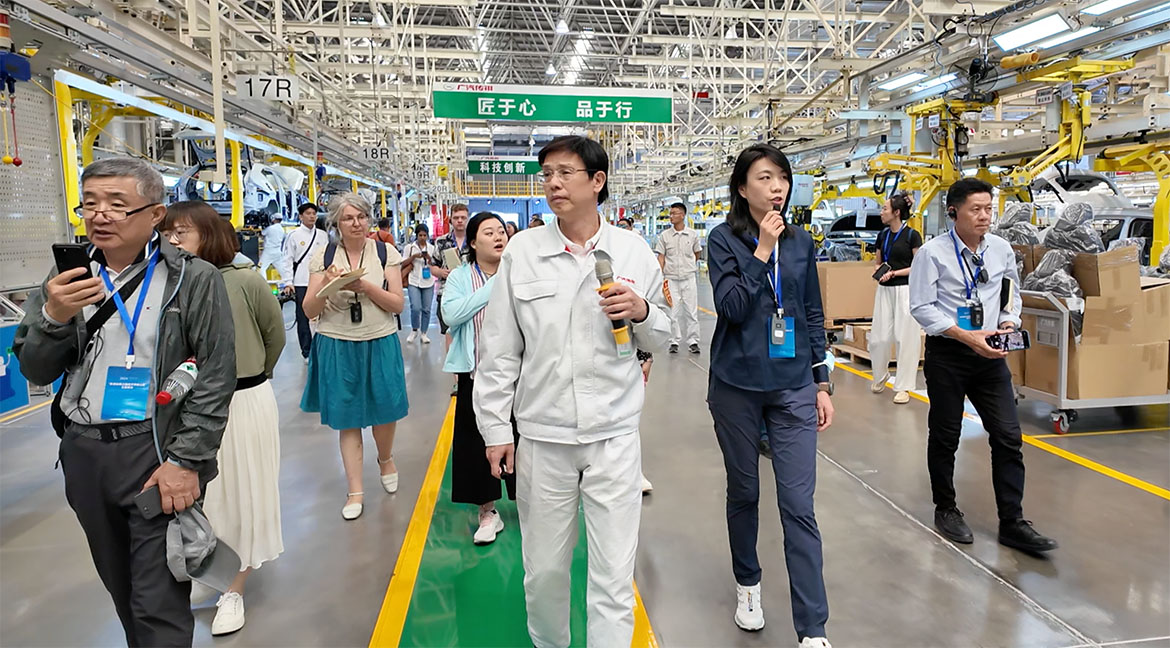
272 88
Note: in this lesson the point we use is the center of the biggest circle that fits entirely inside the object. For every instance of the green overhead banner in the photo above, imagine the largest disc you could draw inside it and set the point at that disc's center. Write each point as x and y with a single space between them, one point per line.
502 165
565 104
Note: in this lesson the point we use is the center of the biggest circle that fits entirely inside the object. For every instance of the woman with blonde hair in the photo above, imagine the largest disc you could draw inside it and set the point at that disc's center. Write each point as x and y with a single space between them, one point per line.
356 377
243 501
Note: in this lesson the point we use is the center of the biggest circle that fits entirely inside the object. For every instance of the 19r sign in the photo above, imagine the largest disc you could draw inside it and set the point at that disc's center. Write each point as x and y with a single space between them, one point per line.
272 88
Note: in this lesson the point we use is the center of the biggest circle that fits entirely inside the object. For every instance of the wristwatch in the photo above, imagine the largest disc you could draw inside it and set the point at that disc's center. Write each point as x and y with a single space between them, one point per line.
826 387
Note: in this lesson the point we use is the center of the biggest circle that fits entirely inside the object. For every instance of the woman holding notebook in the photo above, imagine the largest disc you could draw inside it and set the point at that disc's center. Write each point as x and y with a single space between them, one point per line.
356 377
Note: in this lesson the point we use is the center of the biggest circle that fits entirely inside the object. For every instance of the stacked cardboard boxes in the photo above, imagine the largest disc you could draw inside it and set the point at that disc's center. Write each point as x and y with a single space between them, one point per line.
1125 344
847 289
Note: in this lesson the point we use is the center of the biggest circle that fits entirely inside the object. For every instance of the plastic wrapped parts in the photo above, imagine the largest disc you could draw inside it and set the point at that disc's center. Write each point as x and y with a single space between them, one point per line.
1053 274
1074 231
1162 270
1016 225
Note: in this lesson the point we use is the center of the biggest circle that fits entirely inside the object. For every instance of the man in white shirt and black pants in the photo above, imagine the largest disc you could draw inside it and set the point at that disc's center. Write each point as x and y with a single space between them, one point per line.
299 247
550 355
957 293
678 252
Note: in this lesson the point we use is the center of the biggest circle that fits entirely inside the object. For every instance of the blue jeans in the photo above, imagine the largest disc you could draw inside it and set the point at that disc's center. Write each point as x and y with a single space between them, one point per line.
791 419
420 307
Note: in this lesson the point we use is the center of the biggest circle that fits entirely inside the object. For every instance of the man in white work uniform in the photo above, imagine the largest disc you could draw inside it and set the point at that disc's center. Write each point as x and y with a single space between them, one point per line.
678 252
550 355
273 250
299 247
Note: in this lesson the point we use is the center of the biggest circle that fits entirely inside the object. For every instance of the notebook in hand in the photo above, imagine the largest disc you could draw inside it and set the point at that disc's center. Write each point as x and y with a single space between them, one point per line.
331 288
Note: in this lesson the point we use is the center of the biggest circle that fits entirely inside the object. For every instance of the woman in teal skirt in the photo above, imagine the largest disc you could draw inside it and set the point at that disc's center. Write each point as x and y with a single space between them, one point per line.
356 378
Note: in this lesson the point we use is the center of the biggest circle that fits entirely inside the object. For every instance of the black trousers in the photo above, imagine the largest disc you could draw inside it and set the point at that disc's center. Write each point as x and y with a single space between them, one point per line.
129 551
953 371
471 475
304 333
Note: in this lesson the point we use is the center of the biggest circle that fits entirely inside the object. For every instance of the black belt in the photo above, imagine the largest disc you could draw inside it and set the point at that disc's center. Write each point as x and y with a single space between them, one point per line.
110 432
250 382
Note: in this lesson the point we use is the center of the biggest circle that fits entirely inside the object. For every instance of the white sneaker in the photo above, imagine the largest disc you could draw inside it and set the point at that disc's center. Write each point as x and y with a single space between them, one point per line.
901 398
646 486
815 642
749 613
490 524
425 339
879 386
412 337
230 616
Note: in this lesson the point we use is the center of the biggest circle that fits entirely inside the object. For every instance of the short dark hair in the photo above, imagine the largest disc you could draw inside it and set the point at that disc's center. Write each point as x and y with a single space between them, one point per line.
680 205
307 206
217 237
739 217
535 219
900 204
958 193
384 223
460 207
592 156
473 226
626 221
421 228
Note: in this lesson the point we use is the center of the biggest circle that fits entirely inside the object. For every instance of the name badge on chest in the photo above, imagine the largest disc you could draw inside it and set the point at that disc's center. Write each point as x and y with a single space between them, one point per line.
970 316
127 394
782 337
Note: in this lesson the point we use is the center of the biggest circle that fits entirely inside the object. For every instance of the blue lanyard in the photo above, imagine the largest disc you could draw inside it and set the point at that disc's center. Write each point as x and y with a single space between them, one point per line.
889 244
131 323
482 276
777 285
963 268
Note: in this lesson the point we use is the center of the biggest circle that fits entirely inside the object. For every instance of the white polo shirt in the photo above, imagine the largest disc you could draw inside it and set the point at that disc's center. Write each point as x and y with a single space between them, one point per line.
548 349
303 242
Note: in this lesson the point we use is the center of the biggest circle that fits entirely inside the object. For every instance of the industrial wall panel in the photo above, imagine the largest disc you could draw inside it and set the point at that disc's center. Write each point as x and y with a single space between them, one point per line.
33 214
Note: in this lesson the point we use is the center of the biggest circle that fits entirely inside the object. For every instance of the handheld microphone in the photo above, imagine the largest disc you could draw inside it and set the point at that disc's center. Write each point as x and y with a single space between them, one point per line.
621 328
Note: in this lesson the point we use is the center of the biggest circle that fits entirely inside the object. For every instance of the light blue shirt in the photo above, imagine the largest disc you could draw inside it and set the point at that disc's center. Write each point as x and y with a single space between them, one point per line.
460 304
937 289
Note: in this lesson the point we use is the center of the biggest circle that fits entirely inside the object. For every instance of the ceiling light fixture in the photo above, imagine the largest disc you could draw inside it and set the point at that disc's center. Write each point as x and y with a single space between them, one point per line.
1029 33
562 26
927 85
902 81
1064 38
731 35
551 71
1105 7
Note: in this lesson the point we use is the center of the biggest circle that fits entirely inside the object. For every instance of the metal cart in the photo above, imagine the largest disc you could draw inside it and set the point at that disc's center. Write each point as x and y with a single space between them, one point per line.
1052 329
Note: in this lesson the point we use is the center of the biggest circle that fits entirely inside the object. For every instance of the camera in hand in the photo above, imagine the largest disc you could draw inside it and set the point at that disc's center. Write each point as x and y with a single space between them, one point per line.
1010 341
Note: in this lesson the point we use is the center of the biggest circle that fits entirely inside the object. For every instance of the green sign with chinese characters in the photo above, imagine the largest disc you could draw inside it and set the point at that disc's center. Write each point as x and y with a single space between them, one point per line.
502 165
552 103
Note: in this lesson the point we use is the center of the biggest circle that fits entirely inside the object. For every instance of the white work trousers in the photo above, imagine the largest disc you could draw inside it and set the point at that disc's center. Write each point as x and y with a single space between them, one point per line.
684 314
893 323
551 480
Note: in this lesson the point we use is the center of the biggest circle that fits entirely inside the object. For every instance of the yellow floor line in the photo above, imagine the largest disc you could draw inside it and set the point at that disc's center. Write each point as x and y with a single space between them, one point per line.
28 409
1073 435
392 617
1036 442
711 313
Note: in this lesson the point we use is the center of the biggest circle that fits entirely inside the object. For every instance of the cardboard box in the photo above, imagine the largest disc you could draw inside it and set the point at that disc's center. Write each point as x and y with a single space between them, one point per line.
1155 311
1107 320
847 289
1109 274
1102 371
856 336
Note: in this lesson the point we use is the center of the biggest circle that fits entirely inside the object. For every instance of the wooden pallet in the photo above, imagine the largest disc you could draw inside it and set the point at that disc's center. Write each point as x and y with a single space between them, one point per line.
838 324
856 354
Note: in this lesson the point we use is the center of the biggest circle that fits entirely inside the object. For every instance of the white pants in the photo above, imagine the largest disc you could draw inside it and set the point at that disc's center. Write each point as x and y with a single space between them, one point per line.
551 480
892 323
684 315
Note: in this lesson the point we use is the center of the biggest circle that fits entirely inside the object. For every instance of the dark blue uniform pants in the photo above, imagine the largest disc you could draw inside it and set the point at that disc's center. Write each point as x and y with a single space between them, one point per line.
790 416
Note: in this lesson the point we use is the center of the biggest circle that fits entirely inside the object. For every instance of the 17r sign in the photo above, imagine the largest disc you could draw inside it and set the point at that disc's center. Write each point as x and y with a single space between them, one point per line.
272 88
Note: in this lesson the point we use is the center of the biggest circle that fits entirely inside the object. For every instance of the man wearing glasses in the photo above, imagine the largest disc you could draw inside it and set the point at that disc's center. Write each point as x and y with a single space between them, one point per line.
161 308
964 288
550 355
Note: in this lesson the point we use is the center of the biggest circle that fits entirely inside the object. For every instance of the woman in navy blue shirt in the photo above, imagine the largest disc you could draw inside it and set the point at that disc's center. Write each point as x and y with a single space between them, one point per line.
768 372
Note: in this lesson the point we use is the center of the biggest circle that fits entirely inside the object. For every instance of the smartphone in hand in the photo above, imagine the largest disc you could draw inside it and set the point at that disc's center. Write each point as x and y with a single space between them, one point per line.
881 271
149 502
72 255
1010 341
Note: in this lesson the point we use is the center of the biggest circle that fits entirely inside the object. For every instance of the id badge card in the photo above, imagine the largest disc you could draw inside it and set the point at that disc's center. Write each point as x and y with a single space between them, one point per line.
970 316
127 394
782 338
426 271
